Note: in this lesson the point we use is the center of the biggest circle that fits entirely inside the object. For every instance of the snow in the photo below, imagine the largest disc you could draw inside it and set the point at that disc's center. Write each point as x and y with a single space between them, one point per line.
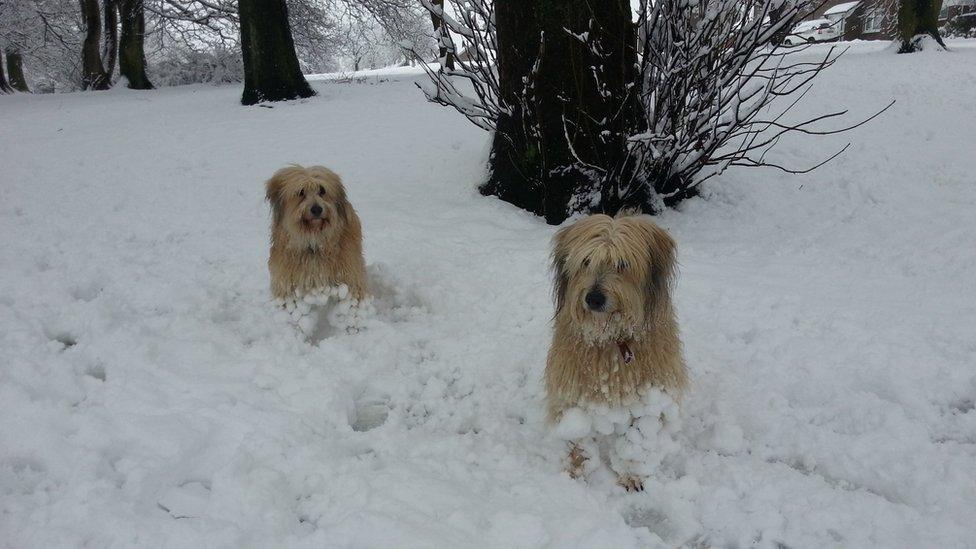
805 26
395 71
324 311
151 394
841 8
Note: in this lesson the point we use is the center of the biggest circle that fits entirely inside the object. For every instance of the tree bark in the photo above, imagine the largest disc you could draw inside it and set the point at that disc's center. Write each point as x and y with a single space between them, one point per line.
271 69
779 36
15 66
93 76
916 19
566 72
110 52
4 86
439 31
132 55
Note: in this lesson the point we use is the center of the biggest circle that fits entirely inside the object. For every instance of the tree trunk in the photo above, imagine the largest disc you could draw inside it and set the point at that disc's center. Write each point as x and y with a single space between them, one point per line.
560 146
93 75
132 56
4 86
15 66
440 30
780 35
917 19
110 52
271 70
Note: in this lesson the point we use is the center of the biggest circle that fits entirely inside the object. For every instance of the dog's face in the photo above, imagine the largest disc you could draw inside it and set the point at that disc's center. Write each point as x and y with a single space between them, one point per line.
613 276
308 204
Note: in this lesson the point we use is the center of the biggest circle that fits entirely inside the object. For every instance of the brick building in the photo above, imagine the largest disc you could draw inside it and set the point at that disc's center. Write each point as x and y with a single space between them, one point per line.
877 19
860 20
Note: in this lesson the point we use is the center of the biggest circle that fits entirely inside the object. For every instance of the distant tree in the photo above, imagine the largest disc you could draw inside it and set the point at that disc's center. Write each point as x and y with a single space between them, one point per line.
132 56
93 75
15 66
324 33
918 19
4 86
777 10
440 29
110 47
47 36
271 69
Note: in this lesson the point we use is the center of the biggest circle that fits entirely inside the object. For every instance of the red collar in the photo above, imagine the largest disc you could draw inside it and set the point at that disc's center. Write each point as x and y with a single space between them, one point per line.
625 352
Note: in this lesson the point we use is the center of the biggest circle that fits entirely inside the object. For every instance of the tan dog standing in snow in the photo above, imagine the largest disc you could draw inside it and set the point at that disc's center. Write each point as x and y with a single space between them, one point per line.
616 337
316 237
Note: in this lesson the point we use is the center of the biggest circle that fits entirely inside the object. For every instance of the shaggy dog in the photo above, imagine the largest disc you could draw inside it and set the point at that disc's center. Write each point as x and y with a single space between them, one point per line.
615 338
316 238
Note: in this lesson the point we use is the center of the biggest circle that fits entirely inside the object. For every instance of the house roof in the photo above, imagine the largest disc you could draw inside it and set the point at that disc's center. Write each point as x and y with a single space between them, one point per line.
841 8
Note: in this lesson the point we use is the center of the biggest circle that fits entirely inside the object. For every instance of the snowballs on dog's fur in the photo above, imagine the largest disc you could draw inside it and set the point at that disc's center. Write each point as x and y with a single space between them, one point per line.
319 313
637 437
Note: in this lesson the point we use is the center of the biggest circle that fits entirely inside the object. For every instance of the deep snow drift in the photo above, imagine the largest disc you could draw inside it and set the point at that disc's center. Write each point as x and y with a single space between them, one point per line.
150 396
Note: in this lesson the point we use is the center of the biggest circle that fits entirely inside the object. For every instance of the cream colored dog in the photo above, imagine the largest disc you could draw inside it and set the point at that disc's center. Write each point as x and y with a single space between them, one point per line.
615 337
316 237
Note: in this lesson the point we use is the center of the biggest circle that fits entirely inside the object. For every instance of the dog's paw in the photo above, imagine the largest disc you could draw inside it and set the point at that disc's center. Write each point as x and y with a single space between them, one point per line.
576 462
631 483
352 314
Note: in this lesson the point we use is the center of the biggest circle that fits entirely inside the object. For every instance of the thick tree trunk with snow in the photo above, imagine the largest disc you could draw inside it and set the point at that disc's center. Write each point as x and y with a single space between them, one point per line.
93 76
566 72
916 20
15 66
271 69
132 56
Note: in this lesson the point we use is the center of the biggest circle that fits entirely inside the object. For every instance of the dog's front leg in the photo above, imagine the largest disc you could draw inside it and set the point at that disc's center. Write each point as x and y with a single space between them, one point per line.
627 458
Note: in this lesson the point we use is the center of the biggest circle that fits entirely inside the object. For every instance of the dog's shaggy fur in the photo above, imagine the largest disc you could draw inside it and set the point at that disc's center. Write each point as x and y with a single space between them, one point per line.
615 330
316 237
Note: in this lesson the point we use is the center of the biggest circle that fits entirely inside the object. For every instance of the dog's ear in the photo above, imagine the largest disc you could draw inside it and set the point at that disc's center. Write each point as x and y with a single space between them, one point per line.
560 277
661 252
275 194
342 204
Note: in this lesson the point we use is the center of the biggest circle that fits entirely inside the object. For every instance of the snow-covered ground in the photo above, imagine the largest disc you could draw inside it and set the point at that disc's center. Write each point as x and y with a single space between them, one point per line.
149 396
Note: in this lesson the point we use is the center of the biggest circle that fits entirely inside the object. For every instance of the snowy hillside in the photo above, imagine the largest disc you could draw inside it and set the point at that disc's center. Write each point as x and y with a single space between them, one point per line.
150 397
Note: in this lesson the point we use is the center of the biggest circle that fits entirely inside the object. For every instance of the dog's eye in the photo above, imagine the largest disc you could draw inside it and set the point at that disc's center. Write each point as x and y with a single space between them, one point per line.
301 193
586 262
321 190
622 265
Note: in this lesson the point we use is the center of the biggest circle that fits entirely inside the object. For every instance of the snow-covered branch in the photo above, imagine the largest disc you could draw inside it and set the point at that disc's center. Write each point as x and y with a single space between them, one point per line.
471 87
717 89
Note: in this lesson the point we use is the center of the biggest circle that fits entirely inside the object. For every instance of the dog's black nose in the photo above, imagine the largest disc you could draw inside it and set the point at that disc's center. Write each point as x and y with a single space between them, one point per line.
595 300
316 210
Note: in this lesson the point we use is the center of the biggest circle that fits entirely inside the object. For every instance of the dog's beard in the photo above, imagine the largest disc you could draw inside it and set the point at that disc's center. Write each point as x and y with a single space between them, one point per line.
310 234
312 226
603 328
